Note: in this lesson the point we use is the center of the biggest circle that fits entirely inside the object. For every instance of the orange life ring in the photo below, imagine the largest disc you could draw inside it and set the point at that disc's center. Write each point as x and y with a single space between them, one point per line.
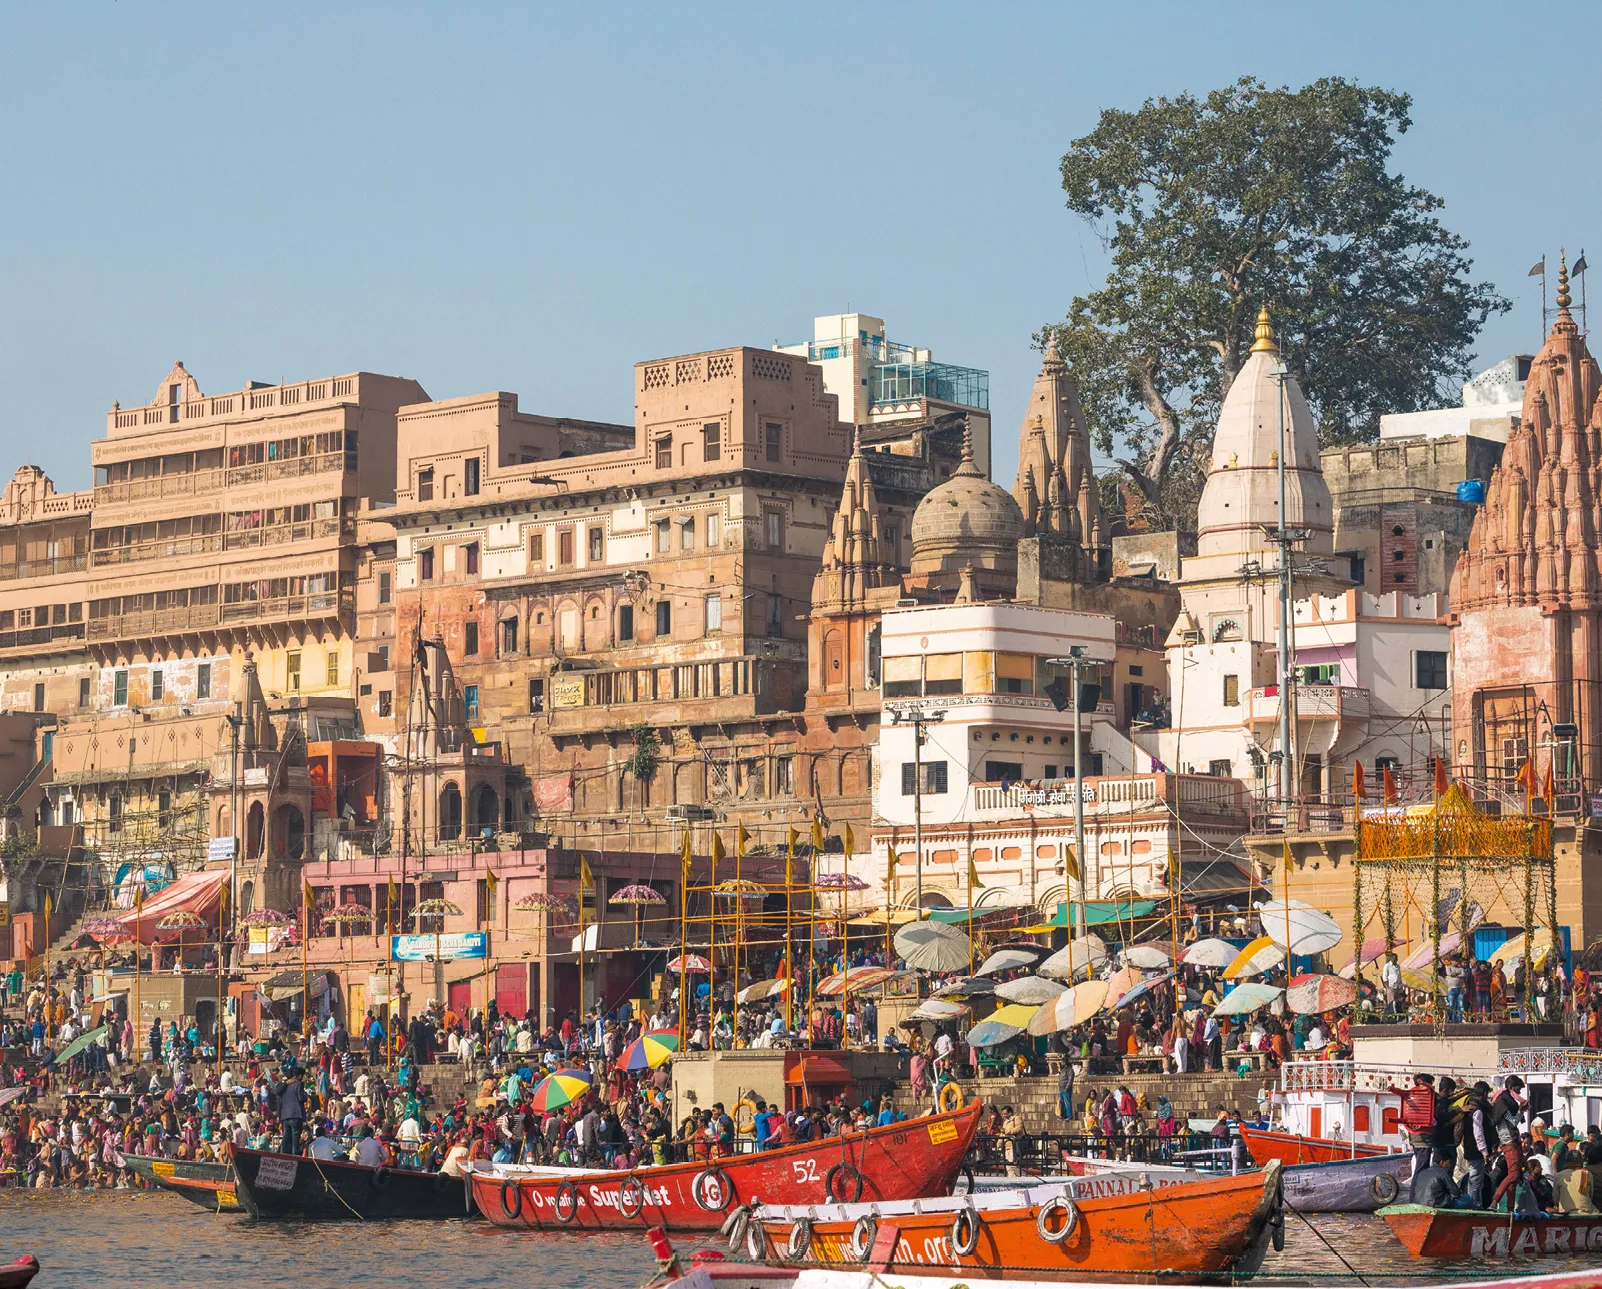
954 1101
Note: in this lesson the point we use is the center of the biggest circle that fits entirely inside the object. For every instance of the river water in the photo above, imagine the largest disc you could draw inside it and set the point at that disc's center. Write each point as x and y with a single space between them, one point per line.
152 1240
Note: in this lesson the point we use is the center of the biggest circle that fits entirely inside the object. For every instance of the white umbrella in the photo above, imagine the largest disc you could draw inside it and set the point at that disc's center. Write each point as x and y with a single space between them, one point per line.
1005 960
1148 957
1246 998
1209 953
968 987
1029 989
933 946
937 1009
762 989
1299 927
1076 959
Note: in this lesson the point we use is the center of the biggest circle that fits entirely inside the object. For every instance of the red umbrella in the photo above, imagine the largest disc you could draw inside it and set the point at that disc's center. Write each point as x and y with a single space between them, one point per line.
1311 994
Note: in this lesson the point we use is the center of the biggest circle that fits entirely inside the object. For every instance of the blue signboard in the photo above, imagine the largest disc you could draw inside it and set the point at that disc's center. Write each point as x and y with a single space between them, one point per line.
449 946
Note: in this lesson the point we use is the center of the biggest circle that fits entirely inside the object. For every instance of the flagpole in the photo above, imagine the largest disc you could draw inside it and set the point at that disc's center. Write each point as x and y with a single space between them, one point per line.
789 935
684 937
739 925
489 918
219 1034
305 945
389 979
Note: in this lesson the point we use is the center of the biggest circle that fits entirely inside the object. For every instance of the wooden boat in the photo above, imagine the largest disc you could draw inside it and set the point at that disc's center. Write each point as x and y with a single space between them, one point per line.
270 1184
917 1157
203 1182
16 1275
1359 1185
711 1272
1112 1227
1469 1233
1289 1148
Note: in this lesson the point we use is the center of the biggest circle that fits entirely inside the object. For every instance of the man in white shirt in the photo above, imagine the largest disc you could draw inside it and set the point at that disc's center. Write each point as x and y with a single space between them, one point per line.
322 1146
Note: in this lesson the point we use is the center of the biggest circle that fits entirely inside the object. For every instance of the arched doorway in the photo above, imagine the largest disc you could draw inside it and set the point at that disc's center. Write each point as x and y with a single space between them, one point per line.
486 809
289 832
255 828
450 813
247 899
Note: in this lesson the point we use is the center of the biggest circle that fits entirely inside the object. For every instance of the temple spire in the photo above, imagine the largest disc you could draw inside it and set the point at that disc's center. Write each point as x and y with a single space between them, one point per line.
1564 299
1265 342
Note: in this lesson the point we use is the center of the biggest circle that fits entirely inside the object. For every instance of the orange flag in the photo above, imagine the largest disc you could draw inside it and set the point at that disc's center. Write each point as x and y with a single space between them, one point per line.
1548 787
1387 786
1442 779
1357 780
1526 777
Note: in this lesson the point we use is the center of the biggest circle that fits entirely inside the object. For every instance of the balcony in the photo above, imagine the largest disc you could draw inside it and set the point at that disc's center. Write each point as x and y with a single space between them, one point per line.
153 622
722 689
1110 794
1313 703
337 389
194 483
320 604
32 637
243 539
49 566
201 617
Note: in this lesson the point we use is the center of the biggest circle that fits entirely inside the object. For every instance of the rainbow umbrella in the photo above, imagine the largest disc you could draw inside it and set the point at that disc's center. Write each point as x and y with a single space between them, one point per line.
651 1049
562 1088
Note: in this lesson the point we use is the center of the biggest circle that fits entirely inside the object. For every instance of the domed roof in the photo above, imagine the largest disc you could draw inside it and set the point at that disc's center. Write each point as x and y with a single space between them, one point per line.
967 517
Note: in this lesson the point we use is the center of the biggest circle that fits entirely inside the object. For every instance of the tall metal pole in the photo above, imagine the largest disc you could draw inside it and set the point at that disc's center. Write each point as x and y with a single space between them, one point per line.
234 722
917 804
1286 787
1082 918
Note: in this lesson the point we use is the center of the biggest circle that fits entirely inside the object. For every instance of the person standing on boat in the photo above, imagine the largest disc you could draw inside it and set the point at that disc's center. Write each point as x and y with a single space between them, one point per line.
292 1110
1507 1111
1476 1138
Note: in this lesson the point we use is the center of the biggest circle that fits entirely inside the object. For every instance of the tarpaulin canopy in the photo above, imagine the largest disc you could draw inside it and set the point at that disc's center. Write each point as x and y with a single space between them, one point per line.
198 893
1099 911
288 984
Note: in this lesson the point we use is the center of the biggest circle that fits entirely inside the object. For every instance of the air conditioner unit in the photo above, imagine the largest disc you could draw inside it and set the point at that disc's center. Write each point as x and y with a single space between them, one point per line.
690 814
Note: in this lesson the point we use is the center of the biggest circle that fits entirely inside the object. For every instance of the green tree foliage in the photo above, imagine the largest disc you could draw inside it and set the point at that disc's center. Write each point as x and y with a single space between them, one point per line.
1213 207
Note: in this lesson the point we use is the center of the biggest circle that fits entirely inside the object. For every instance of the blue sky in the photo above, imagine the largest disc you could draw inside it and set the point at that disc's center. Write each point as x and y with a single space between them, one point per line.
532 199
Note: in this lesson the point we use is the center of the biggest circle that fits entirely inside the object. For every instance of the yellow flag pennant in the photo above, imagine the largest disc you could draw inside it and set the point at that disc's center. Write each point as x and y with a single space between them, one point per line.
850 841
789 860
684 855
973 874
491 884
741 839
817 835
1070 862
586 877
718 853
311 899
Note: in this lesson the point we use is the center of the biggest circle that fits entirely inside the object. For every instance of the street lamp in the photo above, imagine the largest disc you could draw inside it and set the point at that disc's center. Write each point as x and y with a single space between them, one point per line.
1075 660
917 717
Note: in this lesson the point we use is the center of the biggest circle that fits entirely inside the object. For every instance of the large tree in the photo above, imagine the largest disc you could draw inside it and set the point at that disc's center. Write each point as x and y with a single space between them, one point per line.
1214 207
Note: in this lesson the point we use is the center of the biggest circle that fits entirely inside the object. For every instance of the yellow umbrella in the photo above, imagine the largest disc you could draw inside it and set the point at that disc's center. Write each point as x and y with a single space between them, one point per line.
1002 1024
1256 958
1514 948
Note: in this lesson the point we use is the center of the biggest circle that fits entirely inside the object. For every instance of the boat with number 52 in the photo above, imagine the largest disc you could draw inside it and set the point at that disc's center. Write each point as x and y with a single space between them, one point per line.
1112 1227
913 1159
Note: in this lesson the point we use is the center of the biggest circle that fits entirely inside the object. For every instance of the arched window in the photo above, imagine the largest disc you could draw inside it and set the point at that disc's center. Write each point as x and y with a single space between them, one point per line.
450 813
486 810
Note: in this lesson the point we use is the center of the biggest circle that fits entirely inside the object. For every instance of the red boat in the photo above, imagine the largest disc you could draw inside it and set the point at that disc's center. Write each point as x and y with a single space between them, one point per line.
1466 1233
1290 1149
16 1275
913 1159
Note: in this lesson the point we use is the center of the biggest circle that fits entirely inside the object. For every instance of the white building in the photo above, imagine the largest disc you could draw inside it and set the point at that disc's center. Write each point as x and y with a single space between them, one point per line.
1493 402
883 383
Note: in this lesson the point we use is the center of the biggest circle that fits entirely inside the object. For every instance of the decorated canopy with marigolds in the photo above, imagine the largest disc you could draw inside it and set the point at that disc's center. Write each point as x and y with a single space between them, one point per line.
1452 827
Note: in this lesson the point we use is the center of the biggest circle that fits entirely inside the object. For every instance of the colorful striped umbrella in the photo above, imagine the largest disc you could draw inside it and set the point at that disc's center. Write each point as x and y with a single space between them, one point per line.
562 1088
651 1049
1256 958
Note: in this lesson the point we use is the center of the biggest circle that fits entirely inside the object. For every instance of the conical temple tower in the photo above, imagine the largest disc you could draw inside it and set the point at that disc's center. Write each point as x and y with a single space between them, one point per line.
1056 486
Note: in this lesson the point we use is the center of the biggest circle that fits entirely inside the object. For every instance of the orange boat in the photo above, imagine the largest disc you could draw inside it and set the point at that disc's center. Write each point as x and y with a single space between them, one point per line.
898 1161
1469 1233
1289 1149
1114 1227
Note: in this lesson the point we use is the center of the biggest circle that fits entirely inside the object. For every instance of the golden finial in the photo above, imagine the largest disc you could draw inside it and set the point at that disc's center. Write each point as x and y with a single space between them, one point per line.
1265 334
1564 299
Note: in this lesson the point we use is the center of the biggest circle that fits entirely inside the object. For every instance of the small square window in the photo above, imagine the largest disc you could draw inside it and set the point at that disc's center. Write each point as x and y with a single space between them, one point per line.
664 452
564 547
536 549
425 484
158 685
597 544
332 663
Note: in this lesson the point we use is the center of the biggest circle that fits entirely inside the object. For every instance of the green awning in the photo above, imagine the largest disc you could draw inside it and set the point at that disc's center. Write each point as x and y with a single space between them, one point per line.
1100 911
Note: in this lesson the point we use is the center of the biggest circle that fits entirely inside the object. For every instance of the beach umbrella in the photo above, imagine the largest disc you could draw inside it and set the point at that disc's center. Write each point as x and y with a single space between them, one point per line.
1256 958
933 946
1148 957
1246 998
1144 988
1310 995
1373 951
557 1090
1120 983
1299 927
182 921
1029 989
1006 960
1072 1007
108 930
1078 958
1002 1024
1209 953
968 987
937 1010
651 1049
687 963
348 915
1514 949
855 978
1423 981
1424 955
763 989
637 896
82 1041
